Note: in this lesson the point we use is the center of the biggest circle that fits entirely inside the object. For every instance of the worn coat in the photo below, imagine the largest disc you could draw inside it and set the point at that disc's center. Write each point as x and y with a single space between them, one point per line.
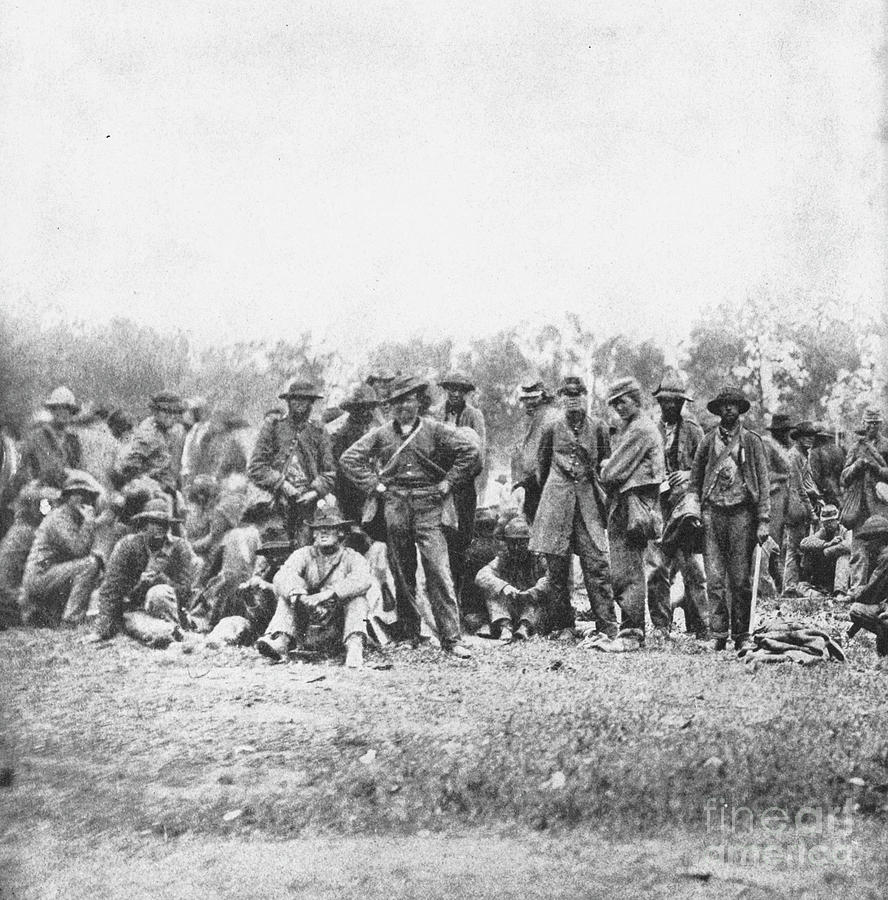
753 467
827 461
799 508
46 453
637 459
524 454
568 462
346 572
865 466
153 451
64 535
524 574
682 447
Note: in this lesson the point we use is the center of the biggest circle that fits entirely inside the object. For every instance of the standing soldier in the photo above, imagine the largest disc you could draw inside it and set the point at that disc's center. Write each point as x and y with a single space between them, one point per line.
571 516
632 475
360 409
777 446
458 412
538 408
800 512
293 464
865 466
729 478
827 459
413 464
51 448
681 437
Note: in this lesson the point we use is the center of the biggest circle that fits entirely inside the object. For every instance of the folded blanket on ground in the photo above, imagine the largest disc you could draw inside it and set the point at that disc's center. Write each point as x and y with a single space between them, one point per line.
777 641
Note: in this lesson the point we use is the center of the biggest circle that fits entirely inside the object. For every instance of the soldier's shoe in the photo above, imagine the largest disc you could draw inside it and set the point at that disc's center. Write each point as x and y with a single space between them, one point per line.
274 646
595 640
562 634
505 633
522 632
459 650
713 644
625 643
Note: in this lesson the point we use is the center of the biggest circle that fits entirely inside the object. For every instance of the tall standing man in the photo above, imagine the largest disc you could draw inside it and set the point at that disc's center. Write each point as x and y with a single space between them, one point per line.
572 512
680 437
777 446
293 462
800 511
632 475
538 409
729 478
413 464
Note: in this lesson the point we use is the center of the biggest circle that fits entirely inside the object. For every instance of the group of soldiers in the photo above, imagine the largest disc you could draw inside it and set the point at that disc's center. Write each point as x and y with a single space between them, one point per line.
365 521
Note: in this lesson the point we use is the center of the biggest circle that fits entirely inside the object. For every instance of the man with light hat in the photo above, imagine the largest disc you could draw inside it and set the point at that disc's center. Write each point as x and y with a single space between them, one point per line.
62 571
412 465
572 513
538 409
729 479
777 445
826 554
321 596
802 499
292 465
148 584
632 476
866 467
458 412
514 585
155 446
51 448
680 437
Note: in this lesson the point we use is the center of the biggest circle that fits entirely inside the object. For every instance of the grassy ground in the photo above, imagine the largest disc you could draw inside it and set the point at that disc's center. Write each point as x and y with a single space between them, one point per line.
537 766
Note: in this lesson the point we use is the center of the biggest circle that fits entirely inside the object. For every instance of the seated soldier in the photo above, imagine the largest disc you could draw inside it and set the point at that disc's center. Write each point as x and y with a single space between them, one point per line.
148 580
872 599
33 503
62 569
322 596
483 549
826 554
515 585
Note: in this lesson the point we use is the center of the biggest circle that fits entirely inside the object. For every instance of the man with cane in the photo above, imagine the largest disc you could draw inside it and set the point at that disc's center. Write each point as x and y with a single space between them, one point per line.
729 477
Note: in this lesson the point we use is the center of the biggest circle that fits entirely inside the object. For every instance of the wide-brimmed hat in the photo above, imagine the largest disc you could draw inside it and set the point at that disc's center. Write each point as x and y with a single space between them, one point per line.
383 377
728 395
532 391
672 388
82 482
621 387
572 386
823 430
517 529
873 527
829 513
362 397
62 397
167 401
157 509
301 388
872 415
456 380
404 386
780 422
805 428
329 518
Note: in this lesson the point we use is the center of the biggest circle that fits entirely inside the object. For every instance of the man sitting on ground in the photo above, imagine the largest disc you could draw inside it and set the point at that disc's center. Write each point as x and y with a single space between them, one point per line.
322 596
826 554
515 585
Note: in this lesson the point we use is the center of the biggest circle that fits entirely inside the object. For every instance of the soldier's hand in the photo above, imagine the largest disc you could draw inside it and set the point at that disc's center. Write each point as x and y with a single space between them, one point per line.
676 479
288 489
444 488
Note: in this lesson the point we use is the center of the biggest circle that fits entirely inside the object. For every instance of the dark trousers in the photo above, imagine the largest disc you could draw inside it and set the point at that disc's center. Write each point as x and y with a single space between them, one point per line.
459 539
730 544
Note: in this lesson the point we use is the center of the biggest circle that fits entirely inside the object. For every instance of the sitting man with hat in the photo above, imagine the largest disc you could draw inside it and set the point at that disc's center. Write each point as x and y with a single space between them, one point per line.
539 409
292 463
866 466
321 596
515 585
572 513
729 479
802 499
148 582
51 448
826 554
457 411
777 445
413 464
62 571
869 607
632 476
155 446
681 437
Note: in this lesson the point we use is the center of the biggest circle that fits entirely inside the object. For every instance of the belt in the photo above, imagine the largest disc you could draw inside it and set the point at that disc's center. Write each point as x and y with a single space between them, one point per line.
426 491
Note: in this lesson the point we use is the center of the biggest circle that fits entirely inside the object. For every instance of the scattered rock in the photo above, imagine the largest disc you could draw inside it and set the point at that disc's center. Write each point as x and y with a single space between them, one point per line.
714 762
556 782
368 757
226 779
857 782
232 814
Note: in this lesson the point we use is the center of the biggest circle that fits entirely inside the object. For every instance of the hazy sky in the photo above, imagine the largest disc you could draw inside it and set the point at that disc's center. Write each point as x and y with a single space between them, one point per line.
245 169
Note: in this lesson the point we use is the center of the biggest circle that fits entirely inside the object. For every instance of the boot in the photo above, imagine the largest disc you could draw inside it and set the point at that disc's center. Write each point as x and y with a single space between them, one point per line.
522 632
505 631
275 646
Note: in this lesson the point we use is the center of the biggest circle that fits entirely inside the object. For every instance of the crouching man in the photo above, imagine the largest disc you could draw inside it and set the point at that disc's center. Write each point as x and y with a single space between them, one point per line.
514 585
148 581
321 596
826 554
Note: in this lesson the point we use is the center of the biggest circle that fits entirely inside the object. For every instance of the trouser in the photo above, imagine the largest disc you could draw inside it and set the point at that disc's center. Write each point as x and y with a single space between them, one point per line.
661 568
778 527
792 554
413 520
730 543
513 610
596 575
465 499
532 495
627 570
859 564
298 622
157 622
60 593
